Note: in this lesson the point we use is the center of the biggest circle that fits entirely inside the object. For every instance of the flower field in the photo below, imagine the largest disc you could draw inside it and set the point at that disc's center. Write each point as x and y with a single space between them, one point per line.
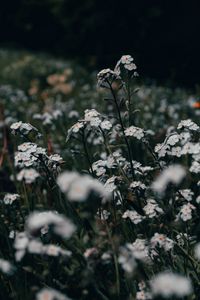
99 183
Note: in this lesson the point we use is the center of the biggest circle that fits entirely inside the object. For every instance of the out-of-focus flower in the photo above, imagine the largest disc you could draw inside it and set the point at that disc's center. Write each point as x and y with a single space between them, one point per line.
78 187
173 174
168 284
61 225
28 175
50 294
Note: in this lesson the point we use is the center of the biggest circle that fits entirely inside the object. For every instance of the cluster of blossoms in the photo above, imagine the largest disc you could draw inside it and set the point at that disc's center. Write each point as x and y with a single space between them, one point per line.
129 207
23 128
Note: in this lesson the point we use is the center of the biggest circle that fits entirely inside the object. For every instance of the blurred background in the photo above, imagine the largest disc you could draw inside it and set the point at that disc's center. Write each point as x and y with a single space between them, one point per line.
163 36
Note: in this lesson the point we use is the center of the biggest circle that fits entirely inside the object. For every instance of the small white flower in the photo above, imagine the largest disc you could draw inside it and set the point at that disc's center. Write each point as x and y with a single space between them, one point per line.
186 211
61 225
168 284
173 174
187 194
5 266
189 124
152 209
133 216
28 175
135 132
78 187
106 125
10 198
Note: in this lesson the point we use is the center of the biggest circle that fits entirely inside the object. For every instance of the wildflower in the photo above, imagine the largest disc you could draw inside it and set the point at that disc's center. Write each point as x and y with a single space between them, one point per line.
162 241
140 249
152 209
189 124
78 187
20 245
173 139
198 199
133 216
195 167
55 158
175 151
105 76
167 284
137 184
110 185
106 125
127 259
161 149
137 132
28 175
186 211
10 198
142 295
50 294
61 225
5 266
127 62
187 194
173 174
23 128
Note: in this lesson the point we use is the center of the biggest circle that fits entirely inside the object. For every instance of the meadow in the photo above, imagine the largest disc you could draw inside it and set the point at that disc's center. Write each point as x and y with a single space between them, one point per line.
99 183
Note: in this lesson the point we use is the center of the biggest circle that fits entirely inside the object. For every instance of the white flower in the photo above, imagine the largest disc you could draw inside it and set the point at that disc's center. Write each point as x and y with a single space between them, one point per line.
91 114
187 194
10 198
106 125
50 294
126 59
186 211
133 216
152 209
198 199
23 128
189 124
140 249
195 167
61 225
168 284
137 184
142 295
16 125
78 187
134 131
173 174
76 127
162 241
95 122
175 151
127 259
56 158
110 185
5 266
28 175
173 139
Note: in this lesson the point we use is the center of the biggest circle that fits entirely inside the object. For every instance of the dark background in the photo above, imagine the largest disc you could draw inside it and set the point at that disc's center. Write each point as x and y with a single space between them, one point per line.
162 35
